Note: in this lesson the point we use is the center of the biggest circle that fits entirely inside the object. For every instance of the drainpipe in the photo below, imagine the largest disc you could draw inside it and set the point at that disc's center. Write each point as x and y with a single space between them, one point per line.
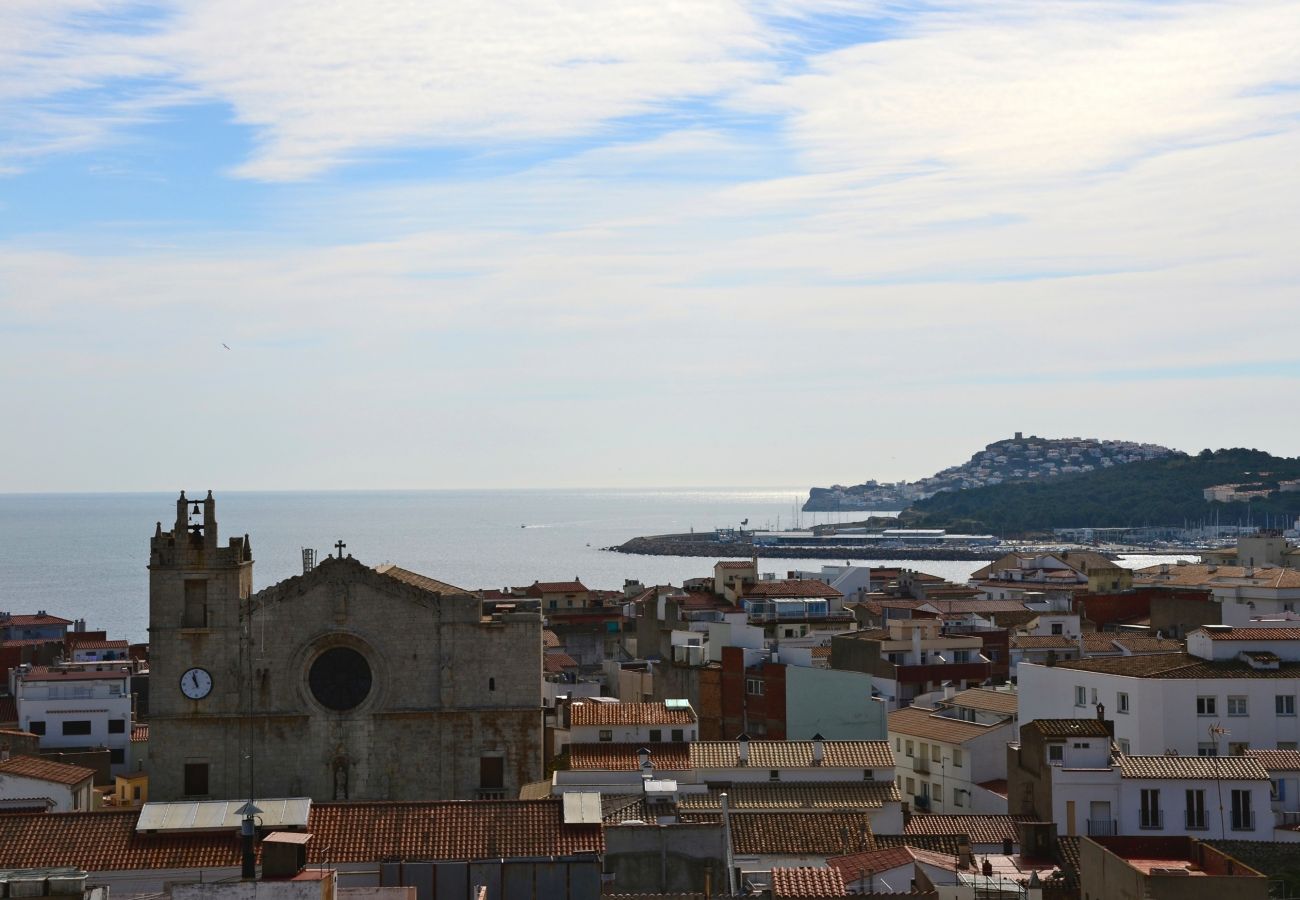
726 838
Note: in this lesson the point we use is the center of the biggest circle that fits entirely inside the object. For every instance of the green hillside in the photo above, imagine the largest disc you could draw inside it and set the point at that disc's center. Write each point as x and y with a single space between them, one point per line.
1159 492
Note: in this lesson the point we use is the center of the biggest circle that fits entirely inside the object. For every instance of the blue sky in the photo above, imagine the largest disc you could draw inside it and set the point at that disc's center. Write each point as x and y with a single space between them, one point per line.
698 242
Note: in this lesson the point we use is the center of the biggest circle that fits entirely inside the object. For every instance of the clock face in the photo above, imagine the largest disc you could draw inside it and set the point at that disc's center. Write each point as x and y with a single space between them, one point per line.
196 683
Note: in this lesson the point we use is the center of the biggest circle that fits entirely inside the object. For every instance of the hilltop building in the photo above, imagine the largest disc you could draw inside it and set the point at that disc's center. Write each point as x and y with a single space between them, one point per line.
344 683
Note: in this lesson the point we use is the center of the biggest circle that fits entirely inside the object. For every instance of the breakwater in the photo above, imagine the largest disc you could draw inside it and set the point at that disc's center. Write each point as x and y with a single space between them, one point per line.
706 545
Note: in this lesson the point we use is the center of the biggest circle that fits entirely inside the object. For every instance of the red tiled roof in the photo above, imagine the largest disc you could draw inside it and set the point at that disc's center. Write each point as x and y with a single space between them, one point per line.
793 833
996 786
734 564
557 587
792 754
775 796
41 619
555 662
550 639
1043 642
97 645
1070 728
869 862
139 733
45 770
30 642
629 714
1227 767
987 700
795 587
806 881
48 673
981 829
1176 665
1253 634
346 832
1277 760
917 721
415 579
623 757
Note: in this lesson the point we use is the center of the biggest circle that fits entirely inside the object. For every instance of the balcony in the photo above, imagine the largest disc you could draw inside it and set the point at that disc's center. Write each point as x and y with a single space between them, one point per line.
1194 820
490 794
1102 828
1151 819
921 764
1243 820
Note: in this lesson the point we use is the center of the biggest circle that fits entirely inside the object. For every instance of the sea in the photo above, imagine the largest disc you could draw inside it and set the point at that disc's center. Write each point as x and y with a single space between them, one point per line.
85 555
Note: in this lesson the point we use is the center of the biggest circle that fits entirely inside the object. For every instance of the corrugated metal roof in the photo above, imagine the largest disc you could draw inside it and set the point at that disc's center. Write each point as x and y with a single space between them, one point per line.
582 808
216 815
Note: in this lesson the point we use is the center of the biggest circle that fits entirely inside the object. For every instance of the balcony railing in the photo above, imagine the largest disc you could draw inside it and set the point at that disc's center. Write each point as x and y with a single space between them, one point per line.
491 793
1243 820
921 764
1195 821
1151 819
1102 828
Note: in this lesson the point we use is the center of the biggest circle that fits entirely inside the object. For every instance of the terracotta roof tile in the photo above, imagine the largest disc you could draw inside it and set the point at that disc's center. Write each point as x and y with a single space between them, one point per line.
981 829
792 754
806 881
824 833
1005 702
754 796
957 607
1277 760
1253 634
557 587
916 721
50 673
1225 767
414 579
995 786
791 587
734 564
41 619
856 865
1177 665
1070 728
555 662
939 843
97 644
1043 642
629 714
608 757
346 832
550 640
1193 575
45 770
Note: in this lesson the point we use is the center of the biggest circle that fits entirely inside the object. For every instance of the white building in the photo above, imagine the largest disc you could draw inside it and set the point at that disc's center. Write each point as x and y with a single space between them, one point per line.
78 706
946 764
1086 787
1233 690
595 720
55 786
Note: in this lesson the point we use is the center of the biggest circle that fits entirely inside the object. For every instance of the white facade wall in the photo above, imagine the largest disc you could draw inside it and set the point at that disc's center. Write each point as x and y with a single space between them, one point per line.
67 798
1162 713
983 758
98 701
632 734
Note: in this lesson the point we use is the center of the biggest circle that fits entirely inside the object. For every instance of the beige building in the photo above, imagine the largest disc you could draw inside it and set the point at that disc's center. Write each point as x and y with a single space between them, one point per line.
344 683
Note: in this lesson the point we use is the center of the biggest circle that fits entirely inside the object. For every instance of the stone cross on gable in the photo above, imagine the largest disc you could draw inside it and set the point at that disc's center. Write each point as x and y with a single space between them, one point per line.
340 545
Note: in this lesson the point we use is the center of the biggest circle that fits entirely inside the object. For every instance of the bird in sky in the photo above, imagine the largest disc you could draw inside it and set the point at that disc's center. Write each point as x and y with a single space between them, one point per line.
227 346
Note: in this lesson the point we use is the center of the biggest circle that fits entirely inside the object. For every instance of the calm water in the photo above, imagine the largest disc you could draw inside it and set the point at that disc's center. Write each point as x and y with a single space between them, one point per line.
85 555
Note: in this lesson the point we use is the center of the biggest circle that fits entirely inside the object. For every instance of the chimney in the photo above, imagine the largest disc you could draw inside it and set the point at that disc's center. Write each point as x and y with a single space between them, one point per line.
643 759
818 749
284 854
742 749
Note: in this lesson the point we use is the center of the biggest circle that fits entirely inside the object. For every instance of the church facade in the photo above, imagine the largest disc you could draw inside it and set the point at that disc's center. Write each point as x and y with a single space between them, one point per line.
344 683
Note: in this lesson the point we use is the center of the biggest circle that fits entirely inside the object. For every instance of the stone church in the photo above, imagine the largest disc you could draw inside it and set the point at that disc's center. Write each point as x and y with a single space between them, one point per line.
344 683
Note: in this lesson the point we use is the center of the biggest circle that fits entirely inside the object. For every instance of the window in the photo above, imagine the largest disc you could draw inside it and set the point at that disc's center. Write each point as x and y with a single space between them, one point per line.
1196 809
117 755
956 757
1055 753
117 726
115 689
925 751
196 779
492 684
1149 812
754 686
1207 748
898 745
1124 746
1243 818
1284 704
1278 790
196 605
491 772
1080 695
1206 706
656 734
553 605
76 726
936 791
936 753
1237 706
773 774
606 734
910 749
679 735
911 786
961 656
1287 745
1237 748
36 727
1121 702
956 797
1058 628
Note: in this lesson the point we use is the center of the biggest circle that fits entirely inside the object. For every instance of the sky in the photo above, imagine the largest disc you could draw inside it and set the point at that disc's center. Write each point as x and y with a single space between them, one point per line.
353 244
